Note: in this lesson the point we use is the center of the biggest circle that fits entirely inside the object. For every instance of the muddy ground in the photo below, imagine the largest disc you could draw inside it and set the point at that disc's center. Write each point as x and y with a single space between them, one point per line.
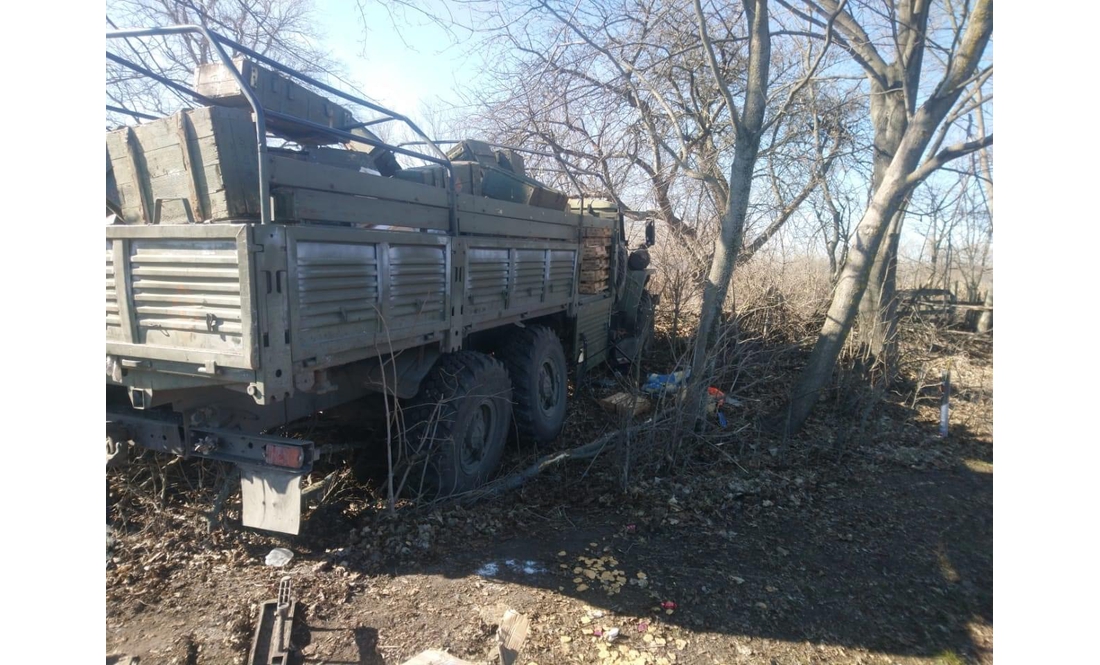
864 540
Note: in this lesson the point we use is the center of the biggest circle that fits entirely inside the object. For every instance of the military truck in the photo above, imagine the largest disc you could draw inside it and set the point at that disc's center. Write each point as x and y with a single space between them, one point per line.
268 258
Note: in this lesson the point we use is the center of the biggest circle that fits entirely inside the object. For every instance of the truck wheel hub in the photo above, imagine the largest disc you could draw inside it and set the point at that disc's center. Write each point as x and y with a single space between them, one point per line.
548 387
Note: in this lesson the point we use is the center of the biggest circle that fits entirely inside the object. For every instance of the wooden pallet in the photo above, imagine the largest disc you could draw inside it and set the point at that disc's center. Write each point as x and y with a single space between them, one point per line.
588 265
595 252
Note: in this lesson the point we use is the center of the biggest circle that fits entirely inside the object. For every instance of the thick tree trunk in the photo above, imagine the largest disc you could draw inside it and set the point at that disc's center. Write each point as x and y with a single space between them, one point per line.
865 248
726 248
894 186
878 307
985 321
849 291
746 146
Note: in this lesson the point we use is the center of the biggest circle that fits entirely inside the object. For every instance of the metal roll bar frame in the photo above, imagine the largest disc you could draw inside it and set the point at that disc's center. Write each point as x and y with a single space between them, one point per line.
260 114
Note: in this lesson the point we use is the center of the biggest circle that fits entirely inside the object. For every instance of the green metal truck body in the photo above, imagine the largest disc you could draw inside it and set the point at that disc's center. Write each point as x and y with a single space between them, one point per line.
219 330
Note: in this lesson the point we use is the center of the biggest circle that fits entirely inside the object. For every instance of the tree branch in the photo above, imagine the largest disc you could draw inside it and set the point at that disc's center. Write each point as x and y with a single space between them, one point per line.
946 155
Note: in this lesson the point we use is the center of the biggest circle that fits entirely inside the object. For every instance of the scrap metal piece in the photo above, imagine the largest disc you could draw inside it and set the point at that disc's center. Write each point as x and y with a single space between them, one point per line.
271 642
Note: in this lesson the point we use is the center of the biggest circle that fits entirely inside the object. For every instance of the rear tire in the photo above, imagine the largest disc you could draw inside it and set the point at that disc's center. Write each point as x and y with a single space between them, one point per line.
457 425
536 365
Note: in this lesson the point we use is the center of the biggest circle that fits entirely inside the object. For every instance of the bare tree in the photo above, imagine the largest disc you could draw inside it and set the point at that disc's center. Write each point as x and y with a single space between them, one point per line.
909 146
748 124
281 29
940 208
618 100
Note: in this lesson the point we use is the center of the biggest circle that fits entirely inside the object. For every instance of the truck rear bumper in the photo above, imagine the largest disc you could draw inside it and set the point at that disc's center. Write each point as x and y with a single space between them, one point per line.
271 467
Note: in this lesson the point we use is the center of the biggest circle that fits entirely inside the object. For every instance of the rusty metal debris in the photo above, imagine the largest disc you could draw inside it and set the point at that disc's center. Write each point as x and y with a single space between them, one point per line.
271 642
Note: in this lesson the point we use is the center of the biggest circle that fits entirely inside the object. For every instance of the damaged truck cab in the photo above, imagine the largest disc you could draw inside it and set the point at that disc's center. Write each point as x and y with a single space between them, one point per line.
267 258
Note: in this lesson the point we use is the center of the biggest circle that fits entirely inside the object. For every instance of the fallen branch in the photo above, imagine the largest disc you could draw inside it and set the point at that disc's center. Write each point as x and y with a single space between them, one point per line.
587 451
322 487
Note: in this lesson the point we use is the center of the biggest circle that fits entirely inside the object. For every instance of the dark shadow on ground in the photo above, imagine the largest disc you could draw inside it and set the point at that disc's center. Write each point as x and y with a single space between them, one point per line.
883 557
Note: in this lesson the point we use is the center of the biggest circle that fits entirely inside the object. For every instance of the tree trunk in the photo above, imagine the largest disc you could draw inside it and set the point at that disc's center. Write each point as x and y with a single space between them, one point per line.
985 321
726 248
866 247
878 307
893 187
847 295
746 146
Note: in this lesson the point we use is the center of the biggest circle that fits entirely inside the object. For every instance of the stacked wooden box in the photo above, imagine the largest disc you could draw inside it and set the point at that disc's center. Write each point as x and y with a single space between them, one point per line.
595 260
194 166
480 170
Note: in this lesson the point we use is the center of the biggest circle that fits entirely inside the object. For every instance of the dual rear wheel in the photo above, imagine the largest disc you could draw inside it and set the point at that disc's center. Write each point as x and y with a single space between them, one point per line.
459 423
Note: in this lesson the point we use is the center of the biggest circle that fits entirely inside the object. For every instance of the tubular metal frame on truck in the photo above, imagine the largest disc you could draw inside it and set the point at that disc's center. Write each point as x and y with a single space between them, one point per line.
220 331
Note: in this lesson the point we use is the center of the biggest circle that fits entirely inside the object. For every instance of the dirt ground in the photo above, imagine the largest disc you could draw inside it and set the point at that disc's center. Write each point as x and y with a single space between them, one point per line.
879 550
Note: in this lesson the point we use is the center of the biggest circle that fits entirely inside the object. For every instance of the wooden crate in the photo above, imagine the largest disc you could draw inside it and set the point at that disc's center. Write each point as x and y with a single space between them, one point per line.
625 404
479 180
595 252
595 232
275 93
193 166
595 268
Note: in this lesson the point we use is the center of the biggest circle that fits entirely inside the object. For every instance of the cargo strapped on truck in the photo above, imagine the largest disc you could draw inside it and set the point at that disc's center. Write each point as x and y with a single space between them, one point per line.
249 79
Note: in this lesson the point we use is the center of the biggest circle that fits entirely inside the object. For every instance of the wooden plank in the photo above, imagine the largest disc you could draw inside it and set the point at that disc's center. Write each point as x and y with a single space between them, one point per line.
289 172
493 225
486 206
595 232
136 168
594 275
234 140
293 204
510 637
182 123
625 404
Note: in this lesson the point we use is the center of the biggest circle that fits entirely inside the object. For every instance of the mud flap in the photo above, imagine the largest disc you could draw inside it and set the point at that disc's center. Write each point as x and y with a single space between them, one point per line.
270 499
